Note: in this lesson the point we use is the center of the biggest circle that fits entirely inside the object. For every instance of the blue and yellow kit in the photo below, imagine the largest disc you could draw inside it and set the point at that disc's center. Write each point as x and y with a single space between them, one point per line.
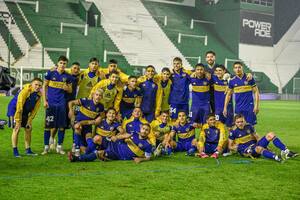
160 127
129 148
185 134
127 103
200 99
24 106
88 110
212 137
164 90
220 86
87 80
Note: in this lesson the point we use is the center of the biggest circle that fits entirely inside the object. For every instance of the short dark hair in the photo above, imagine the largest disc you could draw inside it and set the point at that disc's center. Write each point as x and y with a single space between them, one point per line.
131 77
150 66
180 111
62 58
111 108
221 66
210 115
114 72
94 59
147 124
36 79
76 63
199 65
113 61
165 69
177 59
238 116
210 52
237 63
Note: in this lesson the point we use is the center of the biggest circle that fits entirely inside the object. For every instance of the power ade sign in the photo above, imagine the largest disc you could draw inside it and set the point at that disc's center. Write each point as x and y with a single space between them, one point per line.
256 28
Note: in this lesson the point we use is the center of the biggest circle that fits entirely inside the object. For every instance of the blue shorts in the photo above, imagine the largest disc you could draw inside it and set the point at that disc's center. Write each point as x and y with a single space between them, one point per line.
175 108
263 142
85 130
126 111
56 116
184 145
250 117
149 117
228 121
199 114
210 148
112 151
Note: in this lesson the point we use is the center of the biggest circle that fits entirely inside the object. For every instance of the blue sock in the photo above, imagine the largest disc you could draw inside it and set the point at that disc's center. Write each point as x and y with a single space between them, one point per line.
46 137
88 157
61 136
268 154
91 146
77 139
279 144
15 150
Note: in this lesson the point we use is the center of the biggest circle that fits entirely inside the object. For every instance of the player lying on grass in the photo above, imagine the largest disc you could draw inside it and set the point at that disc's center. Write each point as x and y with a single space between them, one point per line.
161 129
212 138
135 147
22 110
90 113
185 132
244 140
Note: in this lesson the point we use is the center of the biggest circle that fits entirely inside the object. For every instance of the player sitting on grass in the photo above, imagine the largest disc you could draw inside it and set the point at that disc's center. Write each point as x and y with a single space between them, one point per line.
23 107
246 142
135 147
90 111
186 135
109 127
212 138
161 129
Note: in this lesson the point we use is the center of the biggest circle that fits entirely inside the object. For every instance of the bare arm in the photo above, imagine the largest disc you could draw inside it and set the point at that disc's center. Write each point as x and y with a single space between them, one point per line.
45 89
256 102
227 99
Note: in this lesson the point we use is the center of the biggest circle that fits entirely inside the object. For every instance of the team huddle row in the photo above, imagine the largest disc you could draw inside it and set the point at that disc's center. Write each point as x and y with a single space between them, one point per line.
119 117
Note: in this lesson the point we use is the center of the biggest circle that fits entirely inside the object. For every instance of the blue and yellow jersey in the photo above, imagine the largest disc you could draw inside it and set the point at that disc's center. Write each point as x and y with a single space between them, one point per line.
134 147
133 126
56 93
88 110
162 128
128 98
200 91
87 80
243 137
243 92
180 87
184 132
74 82
107 130
220 86
123 76
26 102
110 92
149 91
164 90
213 135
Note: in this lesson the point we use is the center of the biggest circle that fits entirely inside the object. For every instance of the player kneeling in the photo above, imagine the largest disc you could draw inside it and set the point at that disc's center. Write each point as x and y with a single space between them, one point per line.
246 142
212 138
161 129
135 147
186 135
89 114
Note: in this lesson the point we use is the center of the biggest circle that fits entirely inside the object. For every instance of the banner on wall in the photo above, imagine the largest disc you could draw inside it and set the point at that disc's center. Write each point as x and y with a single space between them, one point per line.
256 28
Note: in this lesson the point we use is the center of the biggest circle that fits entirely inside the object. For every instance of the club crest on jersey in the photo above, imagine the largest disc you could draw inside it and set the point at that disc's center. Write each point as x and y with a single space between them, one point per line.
184 75
235 85
153 85
204 83
144 85
111 128
130 125
187 129
248 131
225 82
216 131
54 78
140 145
194 83
102 127
246 82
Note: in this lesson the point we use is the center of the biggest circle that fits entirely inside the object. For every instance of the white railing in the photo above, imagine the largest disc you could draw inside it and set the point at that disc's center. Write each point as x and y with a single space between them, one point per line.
195 58
72 25
180 35
296 85
36 3
200 21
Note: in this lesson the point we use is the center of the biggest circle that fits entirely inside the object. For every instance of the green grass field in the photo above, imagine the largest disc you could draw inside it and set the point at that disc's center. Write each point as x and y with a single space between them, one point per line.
174 177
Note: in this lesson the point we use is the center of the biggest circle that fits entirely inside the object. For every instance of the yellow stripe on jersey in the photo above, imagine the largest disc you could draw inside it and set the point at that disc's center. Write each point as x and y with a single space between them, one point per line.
88 112
128 100
105 133
220 88
134 148
56 84
244 88
200 88
245 139
186 135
